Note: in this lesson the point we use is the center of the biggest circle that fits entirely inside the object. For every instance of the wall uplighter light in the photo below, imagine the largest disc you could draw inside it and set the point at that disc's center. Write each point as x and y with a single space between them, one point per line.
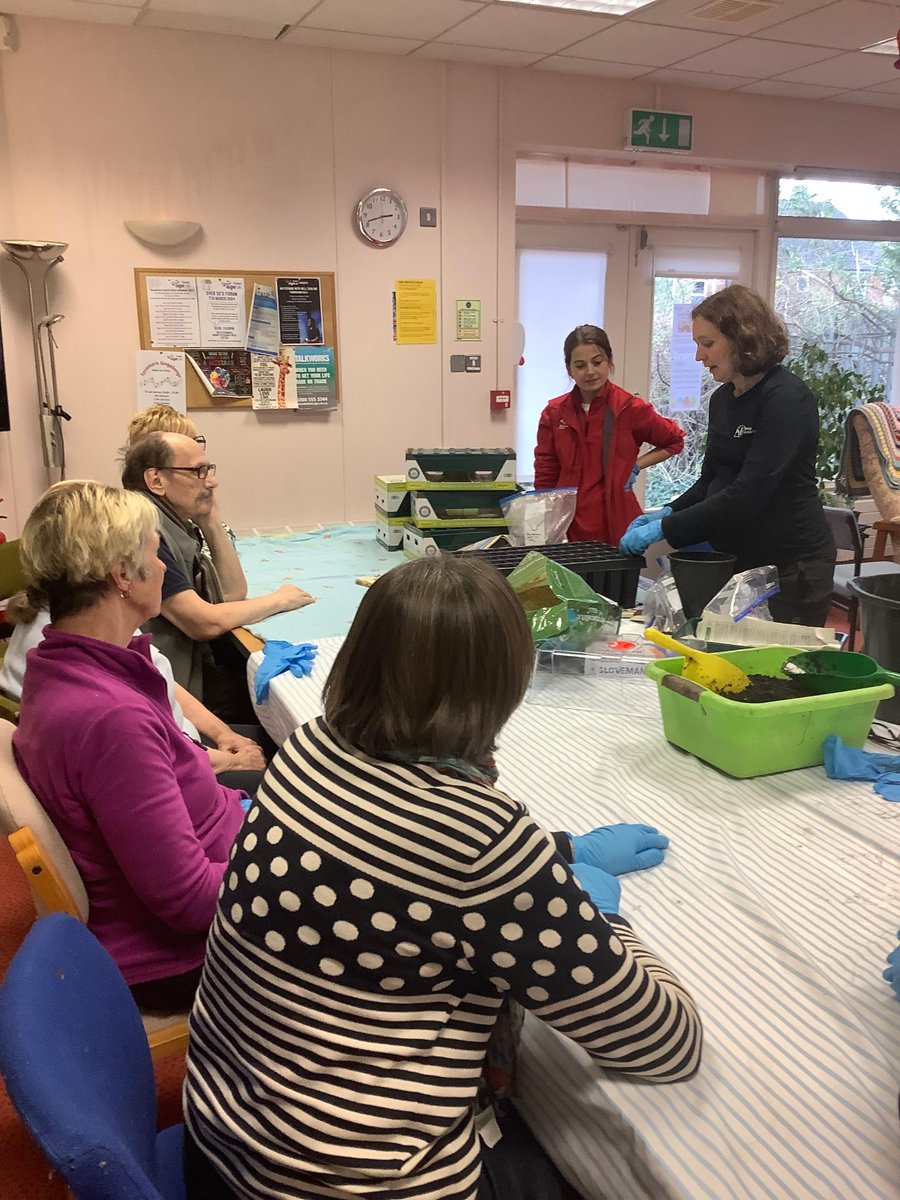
163 233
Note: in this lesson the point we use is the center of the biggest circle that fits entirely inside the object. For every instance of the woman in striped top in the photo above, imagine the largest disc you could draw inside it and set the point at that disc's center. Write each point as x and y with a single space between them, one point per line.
382 902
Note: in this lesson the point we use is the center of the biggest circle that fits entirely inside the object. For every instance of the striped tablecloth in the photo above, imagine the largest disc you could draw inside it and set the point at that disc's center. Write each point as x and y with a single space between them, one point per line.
777 902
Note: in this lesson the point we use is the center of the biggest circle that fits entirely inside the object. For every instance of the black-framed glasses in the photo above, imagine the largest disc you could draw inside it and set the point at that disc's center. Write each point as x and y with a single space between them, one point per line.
201 472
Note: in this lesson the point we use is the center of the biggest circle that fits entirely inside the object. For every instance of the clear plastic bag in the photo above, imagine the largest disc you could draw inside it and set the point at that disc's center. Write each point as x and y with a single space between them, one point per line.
662 604
539 518
745 593
562 611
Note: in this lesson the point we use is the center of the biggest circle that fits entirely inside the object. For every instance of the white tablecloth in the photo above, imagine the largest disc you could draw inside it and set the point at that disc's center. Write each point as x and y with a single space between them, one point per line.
777 902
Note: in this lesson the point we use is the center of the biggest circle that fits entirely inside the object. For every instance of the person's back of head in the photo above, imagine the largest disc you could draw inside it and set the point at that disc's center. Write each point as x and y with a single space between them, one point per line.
159 418
75 535
151 452
438 657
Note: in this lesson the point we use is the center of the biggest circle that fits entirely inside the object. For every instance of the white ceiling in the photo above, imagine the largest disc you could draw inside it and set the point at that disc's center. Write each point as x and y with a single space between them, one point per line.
802 48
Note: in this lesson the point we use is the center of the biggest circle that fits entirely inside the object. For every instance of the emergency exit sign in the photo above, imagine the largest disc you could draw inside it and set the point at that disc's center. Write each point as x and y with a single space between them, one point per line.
650 130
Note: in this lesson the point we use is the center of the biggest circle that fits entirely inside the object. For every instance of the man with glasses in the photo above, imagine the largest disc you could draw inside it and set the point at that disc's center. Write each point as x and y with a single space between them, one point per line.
204 590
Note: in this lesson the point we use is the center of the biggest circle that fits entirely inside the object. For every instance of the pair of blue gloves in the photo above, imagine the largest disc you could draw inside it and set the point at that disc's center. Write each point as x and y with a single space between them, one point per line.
611 850
279 657
644 531
892 974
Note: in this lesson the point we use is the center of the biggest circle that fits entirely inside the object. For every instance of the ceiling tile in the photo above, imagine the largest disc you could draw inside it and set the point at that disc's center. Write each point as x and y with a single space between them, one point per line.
591 66
521 29
700 79
797 91
117 3
891 86
846 25
755 58
846 71
198 23
350 41
679 13
285 12
633 42
875 99
106 14
390 18
476 54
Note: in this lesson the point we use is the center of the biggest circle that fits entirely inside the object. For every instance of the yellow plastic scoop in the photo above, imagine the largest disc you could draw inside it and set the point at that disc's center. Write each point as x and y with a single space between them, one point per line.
709 670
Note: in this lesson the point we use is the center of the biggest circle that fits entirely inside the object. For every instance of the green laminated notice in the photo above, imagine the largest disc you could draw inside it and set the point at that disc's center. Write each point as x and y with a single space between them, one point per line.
562 611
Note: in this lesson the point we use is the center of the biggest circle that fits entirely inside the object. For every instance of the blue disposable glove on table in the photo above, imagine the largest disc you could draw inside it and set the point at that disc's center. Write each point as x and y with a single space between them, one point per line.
279 657
635 471
892 974
603 889
618 849
636 540
846 762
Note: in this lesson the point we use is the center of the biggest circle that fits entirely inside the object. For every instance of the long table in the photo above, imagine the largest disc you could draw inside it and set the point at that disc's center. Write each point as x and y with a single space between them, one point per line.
777 902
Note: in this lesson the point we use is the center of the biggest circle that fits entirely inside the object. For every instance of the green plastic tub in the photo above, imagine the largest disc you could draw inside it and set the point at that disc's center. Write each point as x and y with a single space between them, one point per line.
761 739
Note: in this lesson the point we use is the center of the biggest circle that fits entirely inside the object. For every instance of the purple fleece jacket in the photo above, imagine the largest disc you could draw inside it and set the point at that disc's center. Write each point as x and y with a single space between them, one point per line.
134 799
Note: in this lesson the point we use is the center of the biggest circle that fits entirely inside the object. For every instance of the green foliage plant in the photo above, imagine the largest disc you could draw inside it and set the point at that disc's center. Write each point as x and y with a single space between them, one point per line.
838 389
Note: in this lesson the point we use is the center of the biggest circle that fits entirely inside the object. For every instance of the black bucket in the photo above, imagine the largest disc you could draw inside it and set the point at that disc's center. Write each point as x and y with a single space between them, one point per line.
879 619
699 574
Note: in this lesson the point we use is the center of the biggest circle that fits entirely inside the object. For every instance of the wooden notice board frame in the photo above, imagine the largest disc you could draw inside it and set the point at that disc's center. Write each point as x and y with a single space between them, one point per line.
196 394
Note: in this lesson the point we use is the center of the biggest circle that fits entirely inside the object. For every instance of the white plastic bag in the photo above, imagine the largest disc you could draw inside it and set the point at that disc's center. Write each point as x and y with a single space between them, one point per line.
539 518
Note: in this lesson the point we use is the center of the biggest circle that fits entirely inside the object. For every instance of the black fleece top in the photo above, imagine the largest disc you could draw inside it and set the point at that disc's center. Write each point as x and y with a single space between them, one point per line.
757 495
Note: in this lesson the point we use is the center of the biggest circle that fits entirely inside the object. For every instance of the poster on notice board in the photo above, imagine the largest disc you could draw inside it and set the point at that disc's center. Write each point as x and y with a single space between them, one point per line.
300 310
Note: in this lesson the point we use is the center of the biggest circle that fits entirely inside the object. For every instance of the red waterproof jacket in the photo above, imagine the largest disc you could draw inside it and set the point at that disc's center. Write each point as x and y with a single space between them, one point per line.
570 453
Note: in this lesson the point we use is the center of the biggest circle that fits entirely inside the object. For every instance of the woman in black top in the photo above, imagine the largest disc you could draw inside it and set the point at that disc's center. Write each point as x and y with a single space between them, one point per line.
757 495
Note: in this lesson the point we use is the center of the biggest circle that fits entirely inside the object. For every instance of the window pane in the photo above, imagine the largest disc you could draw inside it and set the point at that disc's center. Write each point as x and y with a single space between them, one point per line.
844 297
638 189
831 198
669 479
558 289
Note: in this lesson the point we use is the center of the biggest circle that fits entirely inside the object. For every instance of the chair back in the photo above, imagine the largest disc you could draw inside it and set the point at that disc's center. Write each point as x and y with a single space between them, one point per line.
19 808
845 528
77 1067
12 579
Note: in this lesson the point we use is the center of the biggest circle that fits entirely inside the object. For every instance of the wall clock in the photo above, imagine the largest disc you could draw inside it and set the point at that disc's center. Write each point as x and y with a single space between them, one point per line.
381 217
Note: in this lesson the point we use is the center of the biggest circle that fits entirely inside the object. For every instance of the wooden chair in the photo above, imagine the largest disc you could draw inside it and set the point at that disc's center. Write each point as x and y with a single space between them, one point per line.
53 879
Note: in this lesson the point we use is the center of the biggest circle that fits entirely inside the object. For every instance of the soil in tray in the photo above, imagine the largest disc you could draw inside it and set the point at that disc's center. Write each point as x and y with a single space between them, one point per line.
763 689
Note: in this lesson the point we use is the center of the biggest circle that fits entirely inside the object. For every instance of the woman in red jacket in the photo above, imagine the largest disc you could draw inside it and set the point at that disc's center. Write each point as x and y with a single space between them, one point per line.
591 437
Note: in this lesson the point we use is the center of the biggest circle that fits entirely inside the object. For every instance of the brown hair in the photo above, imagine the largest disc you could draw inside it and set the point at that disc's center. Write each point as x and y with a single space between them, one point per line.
151 451
760 339
587 335
438 657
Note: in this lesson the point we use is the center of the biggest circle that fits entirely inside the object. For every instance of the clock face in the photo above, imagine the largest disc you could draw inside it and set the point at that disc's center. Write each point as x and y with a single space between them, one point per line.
381 217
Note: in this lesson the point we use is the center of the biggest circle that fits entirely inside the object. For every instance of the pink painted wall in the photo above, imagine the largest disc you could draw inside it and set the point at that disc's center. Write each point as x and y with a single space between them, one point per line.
269 146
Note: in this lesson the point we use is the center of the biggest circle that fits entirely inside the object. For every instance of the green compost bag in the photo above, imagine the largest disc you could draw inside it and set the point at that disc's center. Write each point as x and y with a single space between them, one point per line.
562 611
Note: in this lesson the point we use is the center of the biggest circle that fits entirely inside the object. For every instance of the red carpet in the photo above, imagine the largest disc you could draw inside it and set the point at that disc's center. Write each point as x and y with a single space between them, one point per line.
24 1172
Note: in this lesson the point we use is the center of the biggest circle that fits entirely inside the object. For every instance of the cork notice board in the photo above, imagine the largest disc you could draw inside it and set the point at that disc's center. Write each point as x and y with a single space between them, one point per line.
306 325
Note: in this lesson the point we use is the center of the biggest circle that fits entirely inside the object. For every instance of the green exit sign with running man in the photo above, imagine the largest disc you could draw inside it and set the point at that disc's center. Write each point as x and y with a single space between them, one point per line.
649 130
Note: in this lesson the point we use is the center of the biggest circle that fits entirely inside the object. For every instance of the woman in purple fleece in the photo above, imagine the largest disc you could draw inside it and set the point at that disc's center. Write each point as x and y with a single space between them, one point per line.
135 801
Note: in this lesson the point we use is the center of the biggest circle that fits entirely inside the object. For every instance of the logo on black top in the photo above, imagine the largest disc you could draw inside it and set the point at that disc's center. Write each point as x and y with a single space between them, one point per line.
743 431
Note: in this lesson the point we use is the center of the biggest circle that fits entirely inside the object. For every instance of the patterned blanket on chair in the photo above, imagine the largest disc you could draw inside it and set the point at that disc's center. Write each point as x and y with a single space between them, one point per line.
884 423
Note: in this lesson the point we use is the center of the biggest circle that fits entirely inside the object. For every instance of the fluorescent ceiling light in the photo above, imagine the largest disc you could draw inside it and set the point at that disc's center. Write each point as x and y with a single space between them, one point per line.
616 8
887 47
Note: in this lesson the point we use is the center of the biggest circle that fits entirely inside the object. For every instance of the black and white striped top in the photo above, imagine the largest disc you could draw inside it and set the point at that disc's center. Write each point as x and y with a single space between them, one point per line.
372 920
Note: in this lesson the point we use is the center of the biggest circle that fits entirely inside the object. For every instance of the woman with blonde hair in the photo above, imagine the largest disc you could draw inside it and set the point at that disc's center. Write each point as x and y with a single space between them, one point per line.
135 801
384 903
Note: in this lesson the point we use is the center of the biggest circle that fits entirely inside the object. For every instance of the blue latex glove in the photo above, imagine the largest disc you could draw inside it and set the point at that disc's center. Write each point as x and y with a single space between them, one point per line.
279 657
646 517
603 889
635 471
620 848
846 762
636 541
892 974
